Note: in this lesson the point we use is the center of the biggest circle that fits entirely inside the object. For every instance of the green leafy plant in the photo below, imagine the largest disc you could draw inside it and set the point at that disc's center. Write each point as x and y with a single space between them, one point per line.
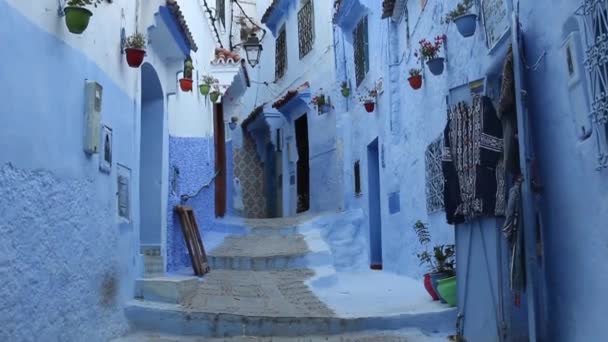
209 80
461 9
441 259
83 3
136 41
188 68
415 72
369 96
428 50
234 119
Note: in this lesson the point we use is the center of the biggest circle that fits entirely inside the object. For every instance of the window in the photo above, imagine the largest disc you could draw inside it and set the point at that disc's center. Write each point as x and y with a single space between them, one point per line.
357 178
220 10
596 30
360 45
124 192
281 54
306 27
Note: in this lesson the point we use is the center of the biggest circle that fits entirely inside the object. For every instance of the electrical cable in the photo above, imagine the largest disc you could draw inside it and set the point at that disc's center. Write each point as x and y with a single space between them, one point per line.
251 20
212 18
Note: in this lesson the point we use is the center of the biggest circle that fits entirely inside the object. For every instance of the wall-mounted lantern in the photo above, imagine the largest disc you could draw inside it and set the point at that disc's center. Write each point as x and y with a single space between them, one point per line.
253 49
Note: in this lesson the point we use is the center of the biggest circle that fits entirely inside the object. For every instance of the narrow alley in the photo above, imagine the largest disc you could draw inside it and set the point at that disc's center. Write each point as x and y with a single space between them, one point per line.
303 170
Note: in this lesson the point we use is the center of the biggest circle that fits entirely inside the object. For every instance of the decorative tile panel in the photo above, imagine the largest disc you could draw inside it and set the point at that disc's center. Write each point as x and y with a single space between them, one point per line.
434 177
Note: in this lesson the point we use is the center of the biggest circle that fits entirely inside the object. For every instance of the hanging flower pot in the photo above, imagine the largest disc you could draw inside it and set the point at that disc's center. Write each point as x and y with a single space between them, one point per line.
429 287
345 92
135 57
186 84
204 89
436 65
447 290
77 19
415 81
214 96
369 106
466 24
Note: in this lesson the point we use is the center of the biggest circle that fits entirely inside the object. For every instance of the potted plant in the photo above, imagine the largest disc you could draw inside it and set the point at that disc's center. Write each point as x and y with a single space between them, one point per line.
322 103
77 16
215 93
440 262
466 22
415 78
429 52
135 49
447 290
186 82
369 100
206 83
233 122
345 90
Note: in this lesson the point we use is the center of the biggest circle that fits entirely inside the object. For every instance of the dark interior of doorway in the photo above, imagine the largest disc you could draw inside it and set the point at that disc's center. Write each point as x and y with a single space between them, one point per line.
303 166
220 160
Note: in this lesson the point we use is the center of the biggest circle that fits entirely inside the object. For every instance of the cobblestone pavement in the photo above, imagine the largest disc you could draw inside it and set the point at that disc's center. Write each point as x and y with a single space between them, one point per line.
261 246
258 293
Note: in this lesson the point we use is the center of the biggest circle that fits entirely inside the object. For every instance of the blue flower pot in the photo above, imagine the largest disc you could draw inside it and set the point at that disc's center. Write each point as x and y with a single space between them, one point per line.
324 108
466 24
232 125
435 277
436 65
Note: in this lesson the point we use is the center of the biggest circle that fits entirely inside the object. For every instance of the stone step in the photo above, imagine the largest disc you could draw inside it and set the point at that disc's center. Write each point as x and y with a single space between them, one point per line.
153 265
175 319
173 289
266 252
411 335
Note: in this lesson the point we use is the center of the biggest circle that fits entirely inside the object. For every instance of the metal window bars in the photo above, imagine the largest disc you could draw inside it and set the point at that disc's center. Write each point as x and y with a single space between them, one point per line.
306 28
281 54
361 52
595 17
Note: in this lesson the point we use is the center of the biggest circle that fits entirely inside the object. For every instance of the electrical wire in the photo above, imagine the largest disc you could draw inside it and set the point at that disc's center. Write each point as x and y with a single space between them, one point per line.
251 20
213 20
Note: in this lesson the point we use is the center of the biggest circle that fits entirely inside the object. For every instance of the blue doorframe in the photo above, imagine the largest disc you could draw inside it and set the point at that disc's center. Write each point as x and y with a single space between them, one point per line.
375 221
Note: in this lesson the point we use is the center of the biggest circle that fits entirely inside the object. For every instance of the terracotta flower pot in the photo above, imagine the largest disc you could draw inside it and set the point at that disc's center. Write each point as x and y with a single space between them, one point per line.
447 290
135 57
204 89
466 24
415 81
77 19
369 106
429 287
436 65
186 84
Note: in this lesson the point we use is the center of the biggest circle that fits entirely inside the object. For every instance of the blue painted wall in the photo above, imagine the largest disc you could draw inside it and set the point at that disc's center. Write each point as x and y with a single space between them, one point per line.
195 160
66 264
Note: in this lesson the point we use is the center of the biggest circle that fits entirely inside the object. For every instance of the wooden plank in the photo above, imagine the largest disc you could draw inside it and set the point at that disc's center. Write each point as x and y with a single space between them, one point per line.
193 240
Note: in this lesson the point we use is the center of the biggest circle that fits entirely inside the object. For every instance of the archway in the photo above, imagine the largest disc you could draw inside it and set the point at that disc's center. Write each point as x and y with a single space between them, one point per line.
151 159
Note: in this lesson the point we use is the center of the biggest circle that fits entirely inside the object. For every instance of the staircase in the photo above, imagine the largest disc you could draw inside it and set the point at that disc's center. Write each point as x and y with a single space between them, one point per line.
259 285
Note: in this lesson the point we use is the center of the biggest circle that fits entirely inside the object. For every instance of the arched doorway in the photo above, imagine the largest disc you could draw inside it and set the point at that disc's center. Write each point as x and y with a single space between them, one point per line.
151 159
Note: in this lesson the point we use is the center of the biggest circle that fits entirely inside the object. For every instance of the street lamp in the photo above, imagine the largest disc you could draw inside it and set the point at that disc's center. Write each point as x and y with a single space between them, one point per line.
253 49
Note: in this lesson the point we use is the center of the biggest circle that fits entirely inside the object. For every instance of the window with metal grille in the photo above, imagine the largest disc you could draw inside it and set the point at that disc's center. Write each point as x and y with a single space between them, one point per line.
360 45
124 192
220 9
281 54
306 27
595 15
357 178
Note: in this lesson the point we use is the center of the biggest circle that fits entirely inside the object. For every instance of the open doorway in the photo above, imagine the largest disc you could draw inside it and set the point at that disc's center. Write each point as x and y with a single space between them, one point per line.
151 159
375 221
303 167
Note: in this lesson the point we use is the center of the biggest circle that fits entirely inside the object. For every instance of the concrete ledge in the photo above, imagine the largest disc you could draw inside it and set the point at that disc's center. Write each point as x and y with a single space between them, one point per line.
165 289
174 319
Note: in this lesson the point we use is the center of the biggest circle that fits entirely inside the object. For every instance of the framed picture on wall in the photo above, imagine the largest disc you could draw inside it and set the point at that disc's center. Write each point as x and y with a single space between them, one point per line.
105 157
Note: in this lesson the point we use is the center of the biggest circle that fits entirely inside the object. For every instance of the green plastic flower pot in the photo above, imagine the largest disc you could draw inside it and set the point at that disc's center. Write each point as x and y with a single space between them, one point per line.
77 19
204 89
447 290
214 96
345 92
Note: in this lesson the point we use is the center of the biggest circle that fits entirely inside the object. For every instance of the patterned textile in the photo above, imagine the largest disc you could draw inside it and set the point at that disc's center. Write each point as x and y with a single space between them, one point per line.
473 145
434 176
508 115
250 171
513 232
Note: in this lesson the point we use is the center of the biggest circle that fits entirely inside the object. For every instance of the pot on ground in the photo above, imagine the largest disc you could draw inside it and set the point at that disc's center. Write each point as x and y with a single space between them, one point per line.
77 19
186 84
435 277
447 290
436 65
466 24
429 287
135 57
